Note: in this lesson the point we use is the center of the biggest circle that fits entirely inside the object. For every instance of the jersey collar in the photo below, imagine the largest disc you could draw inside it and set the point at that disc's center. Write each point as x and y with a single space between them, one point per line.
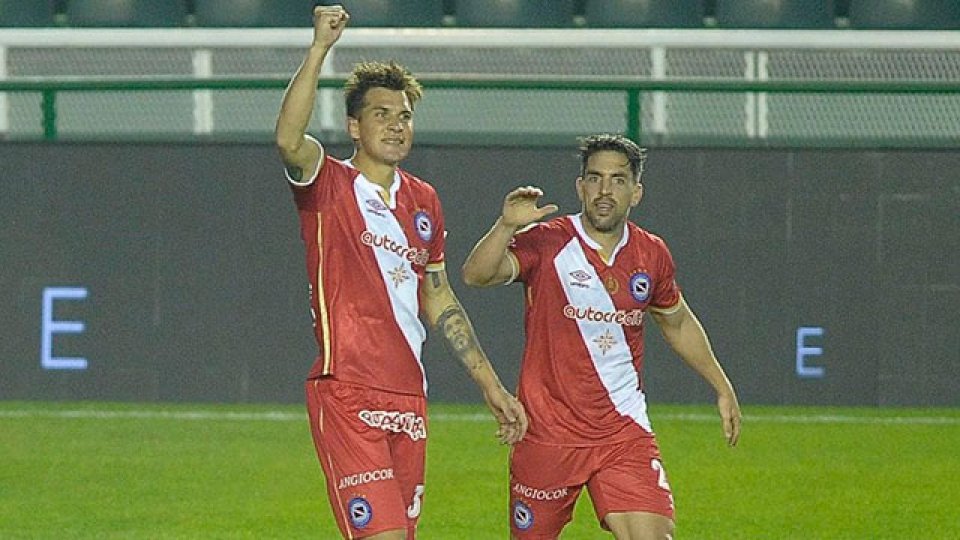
577 221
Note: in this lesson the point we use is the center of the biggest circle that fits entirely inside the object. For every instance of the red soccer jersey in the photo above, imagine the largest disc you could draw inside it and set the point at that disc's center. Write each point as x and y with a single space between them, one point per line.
366 256
580 379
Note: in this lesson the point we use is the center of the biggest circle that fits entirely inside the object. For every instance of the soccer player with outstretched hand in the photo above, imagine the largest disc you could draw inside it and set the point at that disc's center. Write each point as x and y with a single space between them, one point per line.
591 280
374 239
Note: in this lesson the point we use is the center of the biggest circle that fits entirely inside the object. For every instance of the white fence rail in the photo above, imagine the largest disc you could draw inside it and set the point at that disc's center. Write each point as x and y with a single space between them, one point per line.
655 54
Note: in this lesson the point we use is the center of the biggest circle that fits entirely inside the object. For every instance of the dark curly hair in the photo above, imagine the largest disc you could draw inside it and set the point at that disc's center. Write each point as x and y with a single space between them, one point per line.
367 75
616 143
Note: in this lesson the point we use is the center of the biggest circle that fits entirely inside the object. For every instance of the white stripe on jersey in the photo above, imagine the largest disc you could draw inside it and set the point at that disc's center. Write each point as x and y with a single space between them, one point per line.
397 272
605 342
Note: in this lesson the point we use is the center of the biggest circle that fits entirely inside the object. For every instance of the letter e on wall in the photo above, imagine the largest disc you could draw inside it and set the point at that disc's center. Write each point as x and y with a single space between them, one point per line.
49 326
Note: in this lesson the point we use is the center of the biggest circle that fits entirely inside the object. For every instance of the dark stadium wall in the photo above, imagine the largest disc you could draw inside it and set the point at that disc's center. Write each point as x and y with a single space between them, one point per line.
173 272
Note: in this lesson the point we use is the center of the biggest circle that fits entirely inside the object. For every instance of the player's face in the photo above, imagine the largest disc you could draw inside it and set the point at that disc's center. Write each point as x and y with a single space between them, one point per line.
455 328
608 190
384 130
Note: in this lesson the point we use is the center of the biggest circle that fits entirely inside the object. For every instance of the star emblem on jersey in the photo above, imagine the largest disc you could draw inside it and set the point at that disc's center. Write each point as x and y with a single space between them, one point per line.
605 342
399 275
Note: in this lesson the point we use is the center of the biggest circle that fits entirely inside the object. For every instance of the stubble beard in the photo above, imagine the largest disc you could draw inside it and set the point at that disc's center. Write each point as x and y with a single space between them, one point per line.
604 225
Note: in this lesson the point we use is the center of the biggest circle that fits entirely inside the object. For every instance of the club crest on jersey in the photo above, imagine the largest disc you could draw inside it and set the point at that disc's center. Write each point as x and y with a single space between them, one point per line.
375 206
360 512
421 221
522 516
640 287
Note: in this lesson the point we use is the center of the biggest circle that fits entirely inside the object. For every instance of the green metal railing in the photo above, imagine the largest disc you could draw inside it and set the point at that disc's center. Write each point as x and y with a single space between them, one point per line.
632 88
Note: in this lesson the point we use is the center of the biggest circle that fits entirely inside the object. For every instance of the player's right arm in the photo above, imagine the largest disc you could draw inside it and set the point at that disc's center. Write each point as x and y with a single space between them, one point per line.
490 262
302 156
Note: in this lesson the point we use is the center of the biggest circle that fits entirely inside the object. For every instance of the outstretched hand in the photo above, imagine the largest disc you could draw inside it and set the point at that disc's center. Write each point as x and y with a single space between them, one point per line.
520 207
328 24
510 415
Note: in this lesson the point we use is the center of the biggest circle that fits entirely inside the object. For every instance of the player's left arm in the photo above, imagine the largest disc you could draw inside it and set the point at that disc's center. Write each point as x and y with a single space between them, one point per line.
685 335
444 313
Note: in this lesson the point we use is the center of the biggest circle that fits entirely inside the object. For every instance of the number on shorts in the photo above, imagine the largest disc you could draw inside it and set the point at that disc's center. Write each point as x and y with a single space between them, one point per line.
662 478
413 511
662 474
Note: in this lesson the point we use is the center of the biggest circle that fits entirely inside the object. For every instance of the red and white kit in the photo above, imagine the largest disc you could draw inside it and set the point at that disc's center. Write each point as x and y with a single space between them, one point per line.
367 252
366 256
580 378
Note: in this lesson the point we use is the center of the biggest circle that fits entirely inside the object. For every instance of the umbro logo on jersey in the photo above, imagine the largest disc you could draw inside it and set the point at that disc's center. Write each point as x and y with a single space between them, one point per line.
375 206
580 275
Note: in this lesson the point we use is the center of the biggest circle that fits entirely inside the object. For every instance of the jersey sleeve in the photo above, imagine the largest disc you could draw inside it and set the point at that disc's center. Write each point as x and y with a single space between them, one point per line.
526 246
310 195
666 292
312 177
438 242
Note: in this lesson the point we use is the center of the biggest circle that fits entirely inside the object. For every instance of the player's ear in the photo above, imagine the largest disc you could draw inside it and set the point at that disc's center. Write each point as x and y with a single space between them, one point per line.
579 187
353 127
637 195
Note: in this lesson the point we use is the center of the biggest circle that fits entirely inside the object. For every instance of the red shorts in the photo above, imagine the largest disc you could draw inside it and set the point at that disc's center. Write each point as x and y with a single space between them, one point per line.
372 448
545 482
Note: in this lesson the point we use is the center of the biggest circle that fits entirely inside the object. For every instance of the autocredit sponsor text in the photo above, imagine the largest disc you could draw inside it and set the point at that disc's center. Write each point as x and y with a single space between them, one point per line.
634 317
414 255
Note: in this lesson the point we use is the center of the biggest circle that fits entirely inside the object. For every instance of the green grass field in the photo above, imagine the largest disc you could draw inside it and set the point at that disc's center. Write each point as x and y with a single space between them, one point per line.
130 471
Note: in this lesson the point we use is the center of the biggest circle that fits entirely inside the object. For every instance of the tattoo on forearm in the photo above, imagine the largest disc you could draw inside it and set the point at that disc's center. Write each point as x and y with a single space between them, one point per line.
458 336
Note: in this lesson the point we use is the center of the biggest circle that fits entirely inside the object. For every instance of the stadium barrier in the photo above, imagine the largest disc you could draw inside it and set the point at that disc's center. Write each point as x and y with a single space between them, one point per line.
630 89
679 87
